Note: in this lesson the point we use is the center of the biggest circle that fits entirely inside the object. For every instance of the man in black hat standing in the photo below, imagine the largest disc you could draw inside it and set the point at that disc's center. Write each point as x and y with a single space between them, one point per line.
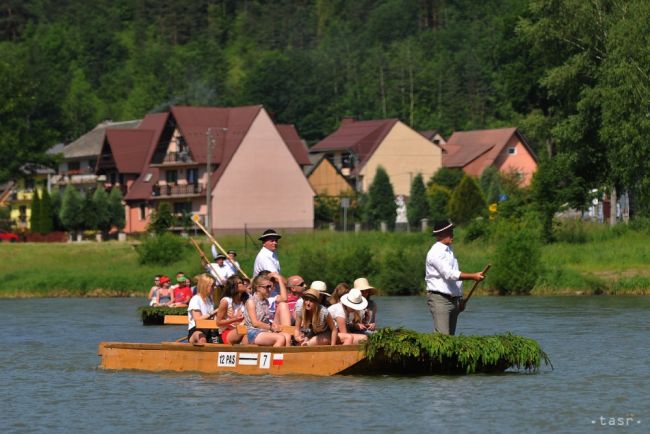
267 258
444 280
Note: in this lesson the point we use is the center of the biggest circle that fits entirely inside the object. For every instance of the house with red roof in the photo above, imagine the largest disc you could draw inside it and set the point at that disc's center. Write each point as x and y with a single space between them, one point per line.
253 175
504 148
357 148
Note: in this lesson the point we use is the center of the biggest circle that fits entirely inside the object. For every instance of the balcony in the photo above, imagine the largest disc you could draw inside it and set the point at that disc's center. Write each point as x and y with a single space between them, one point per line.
182 158
187 190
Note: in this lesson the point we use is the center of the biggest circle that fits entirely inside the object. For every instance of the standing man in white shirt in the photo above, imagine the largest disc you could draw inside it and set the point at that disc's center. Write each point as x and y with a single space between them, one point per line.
267 258
444 280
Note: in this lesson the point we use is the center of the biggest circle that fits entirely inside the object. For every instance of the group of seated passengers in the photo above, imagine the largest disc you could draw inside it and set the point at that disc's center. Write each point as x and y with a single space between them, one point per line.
164 294
268 307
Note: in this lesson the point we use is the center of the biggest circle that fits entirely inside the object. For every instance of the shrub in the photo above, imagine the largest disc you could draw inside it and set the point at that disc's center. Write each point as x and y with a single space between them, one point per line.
116 208
161 219
446 177
336 265
517 262
162 249
71 209
102 209
466 202
402 273
46 216
477 229
438 197
35 216
570 231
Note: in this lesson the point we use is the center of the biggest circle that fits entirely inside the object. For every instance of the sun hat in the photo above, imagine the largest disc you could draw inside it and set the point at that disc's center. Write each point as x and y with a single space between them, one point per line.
269 233
320 286
164 279
312 294
220 256
232 252
354 300
362 285
442 225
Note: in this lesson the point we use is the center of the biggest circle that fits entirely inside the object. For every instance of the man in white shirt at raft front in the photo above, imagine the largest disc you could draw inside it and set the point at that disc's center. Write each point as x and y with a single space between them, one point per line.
443 279
267 258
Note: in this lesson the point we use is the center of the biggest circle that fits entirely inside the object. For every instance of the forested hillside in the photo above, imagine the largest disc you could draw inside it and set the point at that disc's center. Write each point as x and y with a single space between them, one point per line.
572 74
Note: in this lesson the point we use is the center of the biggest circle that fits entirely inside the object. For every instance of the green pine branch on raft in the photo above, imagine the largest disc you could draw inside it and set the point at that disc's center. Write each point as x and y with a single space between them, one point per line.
455 354
156 315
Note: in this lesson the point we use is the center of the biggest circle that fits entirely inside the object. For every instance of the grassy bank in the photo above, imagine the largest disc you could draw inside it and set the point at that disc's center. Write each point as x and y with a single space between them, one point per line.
605 265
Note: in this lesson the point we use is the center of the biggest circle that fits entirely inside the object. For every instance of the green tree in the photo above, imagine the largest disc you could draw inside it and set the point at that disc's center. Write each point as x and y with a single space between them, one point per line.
89 212
447 177
161 219
466 201
490 183
72 205
418 206
56 199
46 213
381 201
438 197
116 209
517 262
35 216
102 209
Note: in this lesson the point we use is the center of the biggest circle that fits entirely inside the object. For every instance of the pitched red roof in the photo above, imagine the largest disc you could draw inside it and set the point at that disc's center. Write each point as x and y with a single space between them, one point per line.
141 188
129 148
295 143
464 147
360 137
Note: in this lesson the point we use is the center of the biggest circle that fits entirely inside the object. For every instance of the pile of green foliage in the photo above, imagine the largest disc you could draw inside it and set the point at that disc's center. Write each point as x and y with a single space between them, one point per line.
156 315
455 354
163 249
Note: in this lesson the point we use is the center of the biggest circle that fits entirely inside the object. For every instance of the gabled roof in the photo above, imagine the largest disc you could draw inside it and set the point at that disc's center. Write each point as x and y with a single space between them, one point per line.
463 147
129 148
141 188
90 144
295 143
360 137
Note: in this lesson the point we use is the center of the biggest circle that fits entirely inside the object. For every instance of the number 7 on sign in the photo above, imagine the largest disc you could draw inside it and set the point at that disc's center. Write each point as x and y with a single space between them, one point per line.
265 360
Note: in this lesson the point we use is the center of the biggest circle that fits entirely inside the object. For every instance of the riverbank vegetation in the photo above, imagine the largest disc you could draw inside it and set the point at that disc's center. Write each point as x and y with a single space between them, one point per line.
586 259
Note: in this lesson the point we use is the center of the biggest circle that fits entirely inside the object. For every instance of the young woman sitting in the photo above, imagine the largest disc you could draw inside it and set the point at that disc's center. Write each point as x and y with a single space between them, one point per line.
230 312
164 295
368 320
350 303
153 292
261 331
201 307
314 324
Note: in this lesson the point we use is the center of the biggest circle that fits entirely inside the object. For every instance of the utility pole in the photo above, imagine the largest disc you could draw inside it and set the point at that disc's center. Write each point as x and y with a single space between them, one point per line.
208 169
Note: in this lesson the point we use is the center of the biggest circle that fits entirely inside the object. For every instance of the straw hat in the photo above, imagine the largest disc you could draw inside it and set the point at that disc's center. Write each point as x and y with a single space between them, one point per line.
362 285
269 233
312 294
319 286
354 300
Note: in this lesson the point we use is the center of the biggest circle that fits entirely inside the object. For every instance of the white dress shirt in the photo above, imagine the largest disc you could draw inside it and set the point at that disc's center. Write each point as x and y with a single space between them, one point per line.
442 273
266 260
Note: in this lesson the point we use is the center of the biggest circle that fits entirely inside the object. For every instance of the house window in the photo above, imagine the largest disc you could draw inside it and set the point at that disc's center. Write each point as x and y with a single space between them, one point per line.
74 166
512 151
147 177
143 211
182 207
192 176
171 176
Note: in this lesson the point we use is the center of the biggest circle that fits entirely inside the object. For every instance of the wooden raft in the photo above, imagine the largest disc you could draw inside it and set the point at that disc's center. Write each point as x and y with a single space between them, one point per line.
241 359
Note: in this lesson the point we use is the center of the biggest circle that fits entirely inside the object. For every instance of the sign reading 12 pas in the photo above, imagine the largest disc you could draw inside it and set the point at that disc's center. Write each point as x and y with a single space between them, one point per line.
263 360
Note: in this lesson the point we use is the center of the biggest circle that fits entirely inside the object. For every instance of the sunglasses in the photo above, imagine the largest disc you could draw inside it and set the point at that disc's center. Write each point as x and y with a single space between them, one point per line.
300 284
269 286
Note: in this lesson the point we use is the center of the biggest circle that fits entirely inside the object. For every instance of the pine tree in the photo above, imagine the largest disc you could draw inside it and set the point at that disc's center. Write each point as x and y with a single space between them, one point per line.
418 206
46 216
117 212
447 177
381 201
466 201
102 209
35 217
88 212
438 197
71 209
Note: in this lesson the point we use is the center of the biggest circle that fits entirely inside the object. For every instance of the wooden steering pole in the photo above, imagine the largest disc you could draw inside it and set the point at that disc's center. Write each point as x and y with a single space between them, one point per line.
466 300
221 249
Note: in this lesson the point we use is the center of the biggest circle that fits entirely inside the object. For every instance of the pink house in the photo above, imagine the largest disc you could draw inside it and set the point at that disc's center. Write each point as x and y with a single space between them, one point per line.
255 178
504 148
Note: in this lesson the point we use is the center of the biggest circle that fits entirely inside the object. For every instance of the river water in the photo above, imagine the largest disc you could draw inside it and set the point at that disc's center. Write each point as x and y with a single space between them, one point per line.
599 346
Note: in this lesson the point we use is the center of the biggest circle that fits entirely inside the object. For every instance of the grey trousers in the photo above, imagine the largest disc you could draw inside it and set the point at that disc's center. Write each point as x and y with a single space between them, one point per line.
444 312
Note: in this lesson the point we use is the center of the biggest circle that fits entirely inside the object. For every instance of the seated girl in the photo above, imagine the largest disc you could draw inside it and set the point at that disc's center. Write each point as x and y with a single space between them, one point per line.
367 323
350 303
164 295
230 312
153 292
261 330
314 324
201 307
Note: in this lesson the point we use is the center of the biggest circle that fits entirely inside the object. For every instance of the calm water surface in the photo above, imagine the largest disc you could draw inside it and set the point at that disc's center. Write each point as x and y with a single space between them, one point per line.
599 346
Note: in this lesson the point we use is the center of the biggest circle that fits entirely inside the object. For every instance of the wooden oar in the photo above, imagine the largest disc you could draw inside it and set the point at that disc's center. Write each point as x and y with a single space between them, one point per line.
206 262
471 291
221 249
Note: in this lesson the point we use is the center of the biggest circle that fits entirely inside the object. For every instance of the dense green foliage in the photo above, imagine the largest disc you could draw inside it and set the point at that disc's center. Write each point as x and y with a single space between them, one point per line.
35 217
438 197
455 354
162 249
102 210
161 219
156 315
418 206
466 202
72 205
46 213
116 208
380 206
446 177
517 261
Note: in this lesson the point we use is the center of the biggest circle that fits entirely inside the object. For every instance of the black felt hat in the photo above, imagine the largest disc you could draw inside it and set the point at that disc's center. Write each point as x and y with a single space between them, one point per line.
441 226
269 233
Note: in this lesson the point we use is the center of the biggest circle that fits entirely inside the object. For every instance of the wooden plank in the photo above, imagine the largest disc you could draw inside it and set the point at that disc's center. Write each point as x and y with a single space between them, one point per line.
176 319
202 324
241 329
